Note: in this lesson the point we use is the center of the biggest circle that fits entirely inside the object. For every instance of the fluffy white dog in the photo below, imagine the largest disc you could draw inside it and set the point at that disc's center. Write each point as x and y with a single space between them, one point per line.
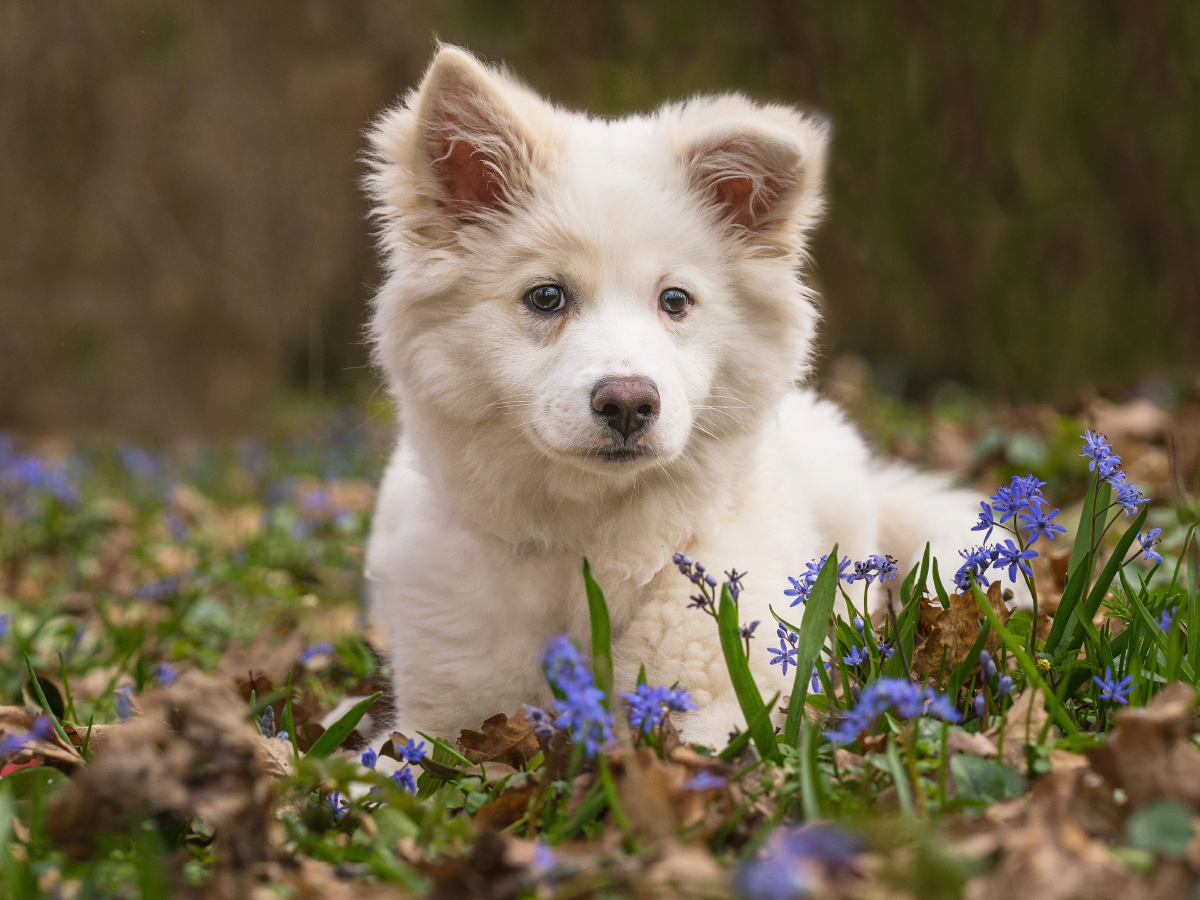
596 332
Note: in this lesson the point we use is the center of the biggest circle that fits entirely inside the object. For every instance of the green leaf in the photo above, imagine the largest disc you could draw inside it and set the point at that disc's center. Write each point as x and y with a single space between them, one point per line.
1065 614
1164 828
744 687
900 777
1032 677
808 773
814 625
943 597
340 730
1193 602
964 668
37 686
1084 534
743 738
602 664
1073 640
906 623
614 808
1156 633
984 778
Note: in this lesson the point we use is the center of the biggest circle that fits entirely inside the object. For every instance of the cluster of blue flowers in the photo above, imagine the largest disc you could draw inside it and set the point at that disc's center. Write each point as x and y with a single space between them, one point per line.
873 567
707 583
649 705
27 479
581 710
907 699
410 755
789 864
1107 465
785 655
267 725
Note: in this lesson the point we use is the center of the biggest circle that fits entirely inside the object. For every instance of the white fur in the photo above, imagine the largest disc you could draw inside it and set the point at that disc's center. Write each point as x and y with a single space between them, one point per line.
495 494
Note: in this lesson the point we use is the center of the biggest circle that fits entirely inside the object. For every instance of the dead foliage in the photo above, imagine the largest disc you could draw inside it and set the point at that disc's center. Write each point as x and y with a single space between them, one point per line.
954 630
190 754
504 739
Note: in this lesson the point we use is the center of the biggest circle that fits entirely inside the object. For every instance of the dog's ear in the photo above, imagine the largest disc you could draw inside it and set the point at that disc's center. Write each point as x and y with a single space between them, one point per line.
461 148
760 167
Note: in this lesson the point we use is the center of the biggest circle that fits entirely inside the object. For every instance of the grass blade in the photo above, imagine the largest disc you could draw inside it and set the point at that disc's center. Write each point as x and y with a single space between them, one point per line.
808 784
813 627
747 692
614 807
1027 665
46 706
1157 634
339 730
1085 533
943 597
739 743
602 664
69 707
900 777
1193 602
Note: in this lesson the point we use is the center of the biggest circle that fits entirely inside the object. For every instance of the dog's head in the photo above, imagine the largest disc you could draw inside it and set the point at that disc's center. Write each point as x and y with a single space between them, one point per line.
610 295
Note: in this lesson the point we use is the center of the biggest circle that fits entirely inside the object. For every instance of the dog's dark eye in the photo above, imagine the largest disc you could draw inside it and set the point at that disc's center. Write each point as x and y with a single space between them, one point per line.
673 301
547 297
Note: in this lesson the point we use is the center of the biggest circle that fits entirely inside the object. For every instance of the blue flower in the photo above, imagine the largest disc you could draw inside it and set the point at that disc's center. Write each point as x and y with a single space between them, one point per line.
800 589
542 722
405 781
1010 555
886 651
704 781
734 580
856 657
980 704
1008 503
370 757
412 752
123 700
581 711
1004 685
158 590
885 567
986 521
858 624
1147 545
976 561
784 635
748 630
5 620
13 742
1166 618
310 653
785 656
987 665
1129 498
792 858
338 805
267 722
678 700
1095 448
165 674
1114 691
646 708
907 699
1039 522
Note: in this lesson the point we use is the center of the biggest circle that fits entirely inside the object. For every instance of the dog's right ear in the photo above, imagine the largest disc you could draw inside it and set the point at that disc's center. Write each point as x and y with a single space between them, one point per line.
459 150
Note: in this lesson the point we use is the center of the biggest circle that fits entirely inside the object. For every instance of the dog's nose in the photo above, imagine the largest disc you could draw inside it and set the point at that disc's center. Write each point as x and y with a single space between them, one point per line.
627 402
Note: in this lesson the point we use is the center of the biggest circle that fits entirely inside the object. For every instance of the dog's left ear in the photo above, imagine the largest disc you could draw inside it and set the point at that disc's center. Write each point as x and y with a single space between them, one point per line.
760 167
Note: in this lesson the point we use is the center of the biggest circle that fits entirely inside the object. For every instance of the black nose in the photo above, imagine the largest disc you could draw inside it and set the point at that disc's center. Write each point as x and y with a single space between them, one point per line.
626 403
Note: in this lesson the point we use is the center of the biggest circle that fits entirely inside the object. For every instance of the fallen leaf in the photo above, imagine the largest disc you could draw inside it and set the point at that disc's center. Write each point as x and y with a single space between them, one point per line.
16 722
503 811
507 740
960 741
956 630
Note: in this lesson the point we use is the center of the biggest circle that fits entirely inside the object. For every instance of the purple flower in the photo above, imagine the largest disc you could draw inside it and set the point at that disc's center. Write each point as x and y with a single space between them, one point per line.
1148 543
980 704
986 521
123 700
704 781
1039 522
1004 685
1118 691
165 674
405 781
1166 618
370 757
785 656
1010 555
1096 448
542 722
158 590
907 699
976 561
735 583
581 711
267 723
986 664
412 752
338 805
748 630
310 653
856 657
792 859
1129 498
859 625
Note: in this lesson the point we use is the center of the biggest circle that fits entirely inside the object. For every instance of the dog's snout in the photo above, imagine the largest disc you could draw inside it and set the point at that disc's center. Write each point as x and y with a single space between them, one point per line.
627 403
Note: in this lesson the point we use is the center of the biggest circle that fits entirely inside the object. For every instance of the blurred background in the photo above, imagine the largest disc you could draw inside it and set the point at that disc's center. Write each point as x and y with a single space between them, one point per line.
1014 187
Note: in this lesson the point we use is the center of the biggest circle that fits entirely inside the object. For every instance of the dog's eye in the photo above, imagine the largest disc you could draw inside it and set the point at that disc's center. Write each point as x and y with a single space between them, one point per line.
674 301
547 297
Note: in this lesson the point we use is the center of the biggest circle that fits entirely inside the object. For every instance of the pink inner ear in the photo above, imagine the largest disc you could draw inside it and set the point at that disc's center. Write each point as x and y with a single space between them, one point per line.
736 195
467 178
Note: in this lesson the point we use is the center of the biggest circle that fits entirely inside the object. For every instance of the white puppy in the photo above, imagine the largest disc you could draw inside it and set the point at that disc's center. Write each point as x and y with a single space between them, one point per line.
595 331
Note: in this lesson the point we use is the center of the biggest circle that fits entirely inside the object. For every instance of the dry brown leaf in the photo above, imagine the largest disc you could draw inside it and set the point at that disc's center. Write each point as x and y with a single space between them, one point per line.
191 754
507 740
503 811
1149 755
1014 732
960 741
16 722
956 629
